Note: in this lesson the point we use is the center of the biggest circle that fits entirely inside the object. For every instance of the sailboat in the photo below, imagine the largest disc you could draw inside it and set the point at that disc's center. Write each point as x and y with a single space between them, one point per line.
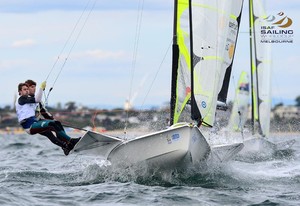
239 110
260 89
235 129
204 36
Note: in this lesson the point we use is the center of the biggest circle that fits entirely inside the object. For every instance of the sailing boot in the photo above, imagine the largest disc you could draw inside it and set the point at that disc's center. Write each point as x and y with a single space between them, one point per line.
74 141
70 146
66 148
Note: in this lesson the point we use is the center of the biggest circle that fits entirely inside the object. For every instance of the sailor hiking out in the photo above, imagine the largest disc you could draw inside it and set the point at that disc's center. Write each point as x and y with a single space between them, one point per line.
34 122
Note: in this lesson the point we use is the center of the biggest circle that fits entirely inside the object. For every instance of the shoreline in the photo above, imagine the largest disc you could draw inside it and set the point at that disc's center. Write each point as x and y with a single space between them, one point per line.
131 131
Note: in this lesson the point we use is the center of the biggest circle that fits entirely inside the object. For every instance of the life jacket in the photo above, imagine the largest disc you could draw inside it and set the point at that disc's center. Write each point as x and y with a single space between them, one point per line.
25 111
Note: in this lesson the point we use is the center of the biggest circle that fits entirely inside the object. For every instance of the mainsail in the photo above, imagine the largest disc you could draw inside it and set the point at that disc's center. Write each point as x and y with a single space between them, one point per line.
260 70
234 24
205 33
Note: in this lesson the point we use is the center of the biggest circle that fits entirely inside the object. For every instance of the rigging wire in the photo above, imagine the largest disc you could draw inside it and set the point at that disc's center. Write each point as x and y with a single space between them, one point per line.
66 43
134 57
68 39
159 68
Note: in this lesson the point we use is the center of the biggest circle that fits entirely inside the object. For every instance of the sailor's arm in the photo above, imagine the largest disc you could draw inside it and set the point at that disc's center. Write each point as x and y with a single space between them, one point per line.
44 112
38 96
26 100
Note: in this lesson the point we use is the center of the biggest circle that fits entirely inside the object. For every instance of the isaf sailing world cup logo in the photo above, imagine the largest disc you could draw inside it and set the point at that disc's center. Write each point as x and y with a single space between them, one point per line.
277 29
284 22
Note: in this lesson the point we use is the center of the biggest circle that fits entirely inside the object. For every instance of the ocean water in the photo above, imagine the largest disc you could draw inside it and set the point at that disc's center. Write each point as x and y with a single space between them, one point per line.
33 171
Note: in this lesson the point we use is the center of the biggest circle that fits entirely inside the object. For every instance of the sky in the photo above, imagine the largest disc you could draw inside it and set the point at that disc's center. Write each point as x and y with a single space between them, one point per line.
101 52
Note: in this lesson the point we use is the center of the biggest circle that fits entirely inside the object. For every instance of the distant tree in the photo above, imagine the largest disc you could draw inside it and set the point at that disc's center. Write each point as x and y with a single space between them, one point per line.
58 106
277 105
6 108
70 106
297 101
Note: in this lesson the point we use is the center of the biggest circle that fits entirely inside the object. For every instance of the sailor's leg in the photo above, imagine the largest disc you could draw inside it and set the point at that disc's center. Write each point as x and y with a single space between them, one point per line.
61 134
73 141
58 124
40 126
61 139
64 145
53 138
44 125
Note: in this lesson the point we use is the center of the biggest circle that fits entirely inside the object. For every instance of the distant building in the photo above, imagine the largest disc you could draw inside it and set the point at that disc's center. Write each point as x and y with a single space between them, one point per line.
127 105
287 112
133 120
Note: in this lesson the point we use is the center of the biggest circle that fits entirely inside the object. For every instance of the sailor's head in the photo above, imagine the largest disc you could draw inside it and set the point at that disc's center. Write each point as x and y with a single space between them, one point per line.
23 89
31 86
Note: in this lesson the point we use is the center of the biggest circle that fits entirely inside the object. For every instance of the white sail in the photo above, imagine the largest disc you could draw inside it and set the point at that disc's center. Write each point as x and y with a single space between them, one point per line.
212 20
235 9
261 70
211 44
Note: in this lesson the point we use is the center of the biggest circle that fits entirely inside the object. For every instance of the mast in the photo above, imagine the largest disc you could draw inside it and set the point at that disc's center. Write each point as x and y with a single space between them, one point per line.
254 62
195 113
251 65
175 56
256 75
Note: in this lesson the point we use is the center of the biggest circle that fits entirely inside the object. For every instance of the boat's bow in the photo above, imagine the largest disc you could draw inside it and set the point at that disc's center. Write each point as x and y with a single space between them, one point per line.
97 143
285 145
223 153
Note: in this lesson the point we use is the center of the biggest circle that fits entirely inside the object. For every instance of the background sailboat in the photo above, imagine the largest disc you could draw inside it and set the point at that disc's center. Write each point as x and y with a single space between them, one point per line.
233 132
205 33
239 112
260 57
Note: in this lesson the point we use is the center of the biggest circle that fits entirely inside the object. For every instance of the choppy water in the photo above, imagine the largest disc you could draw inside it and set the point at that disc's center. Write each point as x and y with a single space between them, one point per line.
33 171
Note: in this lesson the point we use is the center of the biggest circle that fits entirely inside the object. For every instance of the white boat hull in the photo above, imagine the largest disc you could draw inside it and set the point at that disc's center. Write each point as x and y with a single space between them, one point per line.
179 144
168 148
176 147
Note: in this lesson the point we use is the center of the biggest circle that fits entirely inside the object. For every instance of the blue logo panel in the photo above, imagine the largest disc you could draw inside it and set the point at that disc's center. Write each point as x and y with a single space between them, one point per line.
175 137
